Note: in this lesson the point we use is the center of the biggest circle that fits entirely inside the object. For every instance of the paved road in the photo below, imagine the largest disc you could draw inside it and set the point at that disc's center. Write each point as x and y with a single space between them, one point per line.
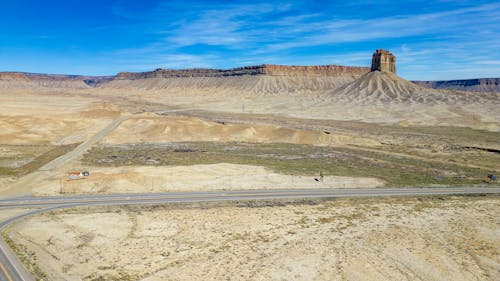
12 269
151 198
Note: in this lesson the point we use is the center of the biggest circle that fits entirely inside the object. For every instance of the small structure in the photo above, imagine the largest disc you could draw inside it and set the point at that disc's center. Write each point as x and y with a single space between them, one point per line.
383 60
75 175
492 177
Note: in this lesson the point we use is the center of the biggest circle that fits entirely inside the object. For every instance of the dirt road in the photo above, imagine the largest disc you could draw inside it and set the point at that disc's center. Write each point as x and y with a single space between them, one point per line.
82 148
23 185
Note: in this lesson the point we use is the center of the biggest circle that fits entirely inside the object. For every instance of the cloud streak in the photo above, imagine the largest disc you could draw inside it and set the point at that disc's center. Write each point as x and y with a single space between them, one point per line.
220 34
429 38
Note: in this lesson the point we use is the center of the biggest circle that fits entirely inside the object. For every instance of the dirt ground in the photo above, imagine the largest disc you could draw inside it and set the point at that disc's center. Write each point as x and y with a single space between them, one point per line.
34 122
450 238
8 213
155 128
285 122
387 100
51 118
223 176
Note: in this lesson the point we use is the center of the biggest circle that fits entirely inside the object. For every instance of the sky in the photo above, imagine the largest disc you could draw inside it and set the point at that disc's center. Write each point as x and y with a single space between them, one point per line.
432 40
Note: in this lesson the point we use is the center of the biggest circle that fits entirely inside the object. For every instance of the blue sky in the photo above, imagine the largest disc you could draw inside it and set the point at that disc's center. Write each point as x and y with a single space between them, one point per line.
433 40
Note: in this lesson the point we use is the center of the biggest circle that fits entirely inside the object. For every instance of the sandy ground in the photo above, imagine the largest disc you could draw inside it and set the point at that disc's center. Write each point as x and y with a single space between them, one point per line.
56 130
135 179
6 181
42 118
8 213
387 239
373 98
477 115
452 238
69 115
154 128
29 118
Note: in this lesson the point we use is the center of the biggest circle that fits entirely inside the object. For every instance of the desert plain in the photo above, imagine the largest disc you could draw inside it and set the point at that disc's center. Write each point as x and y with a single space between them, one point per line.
137 134
452 238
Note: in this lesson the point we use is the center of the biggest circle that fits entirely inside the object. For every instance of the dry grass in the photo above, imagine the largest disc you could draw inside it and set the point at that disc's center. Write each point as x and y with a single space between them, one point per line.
26 256
291 159
48 154
428 238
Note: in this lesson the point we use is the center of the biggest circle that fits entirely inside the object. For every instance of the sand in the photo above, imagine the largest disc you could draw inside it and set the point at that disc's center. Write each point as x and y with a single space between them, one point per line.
375 98
8 213
152 128
136 179
29 118
384 239
64 114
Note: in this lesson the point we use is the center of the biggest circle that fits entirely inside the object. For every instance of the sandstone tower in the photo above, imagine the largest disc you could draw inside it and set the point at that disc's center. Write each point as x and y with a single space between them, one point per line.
384 61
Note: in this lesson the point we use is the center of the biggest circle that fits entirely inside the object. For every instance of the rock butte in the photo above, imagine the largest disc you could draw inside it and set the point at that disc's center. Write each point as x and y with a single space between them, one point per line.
383 60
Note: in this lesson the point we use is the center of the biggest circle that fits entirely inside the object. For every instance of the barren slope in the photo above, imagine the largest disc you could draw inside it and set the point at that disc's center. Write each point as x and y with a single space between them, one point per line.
471 85
385 239
151 128
19 80
375 97
235 85
387 88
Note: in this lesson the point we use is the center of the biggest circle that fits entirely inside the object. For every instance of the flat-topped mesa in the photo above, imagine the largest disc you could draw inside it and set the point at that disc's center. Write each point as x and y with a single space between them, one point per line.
15 76
38 80
265 69
469 85
333 70
383 60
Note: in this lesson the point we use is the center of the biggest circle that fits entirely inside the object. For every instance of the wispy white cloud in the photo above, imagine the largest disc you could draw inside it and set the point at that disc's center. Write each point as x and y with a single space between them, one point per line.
227 26
227 35
489 62
443 24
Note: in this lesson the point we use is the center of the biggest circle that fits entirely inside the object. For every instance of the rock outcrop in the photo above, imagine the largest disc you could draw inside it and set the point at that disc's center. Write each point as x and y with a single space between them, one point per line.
384 61
469 85
33 80
266 77
265 69
13 76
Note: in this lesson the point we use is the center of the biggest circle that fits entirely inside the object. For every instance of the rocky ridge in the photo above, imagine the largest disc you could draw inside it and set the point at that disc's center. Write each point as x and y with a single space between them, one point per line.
265 69
470 85
29 80
384 88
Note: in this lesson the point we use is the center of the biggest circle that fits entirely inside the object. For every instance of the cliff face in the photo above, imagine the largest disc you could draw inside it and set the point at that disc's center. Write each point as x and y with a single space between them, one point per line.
30 80
326 76
266 69
471 85
13 76
384 61
333 70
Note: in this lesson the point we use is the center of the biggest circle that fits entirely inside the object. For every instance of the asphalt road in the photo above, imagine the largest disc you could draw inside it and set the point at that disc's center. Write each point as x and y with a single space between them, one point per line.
12 269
